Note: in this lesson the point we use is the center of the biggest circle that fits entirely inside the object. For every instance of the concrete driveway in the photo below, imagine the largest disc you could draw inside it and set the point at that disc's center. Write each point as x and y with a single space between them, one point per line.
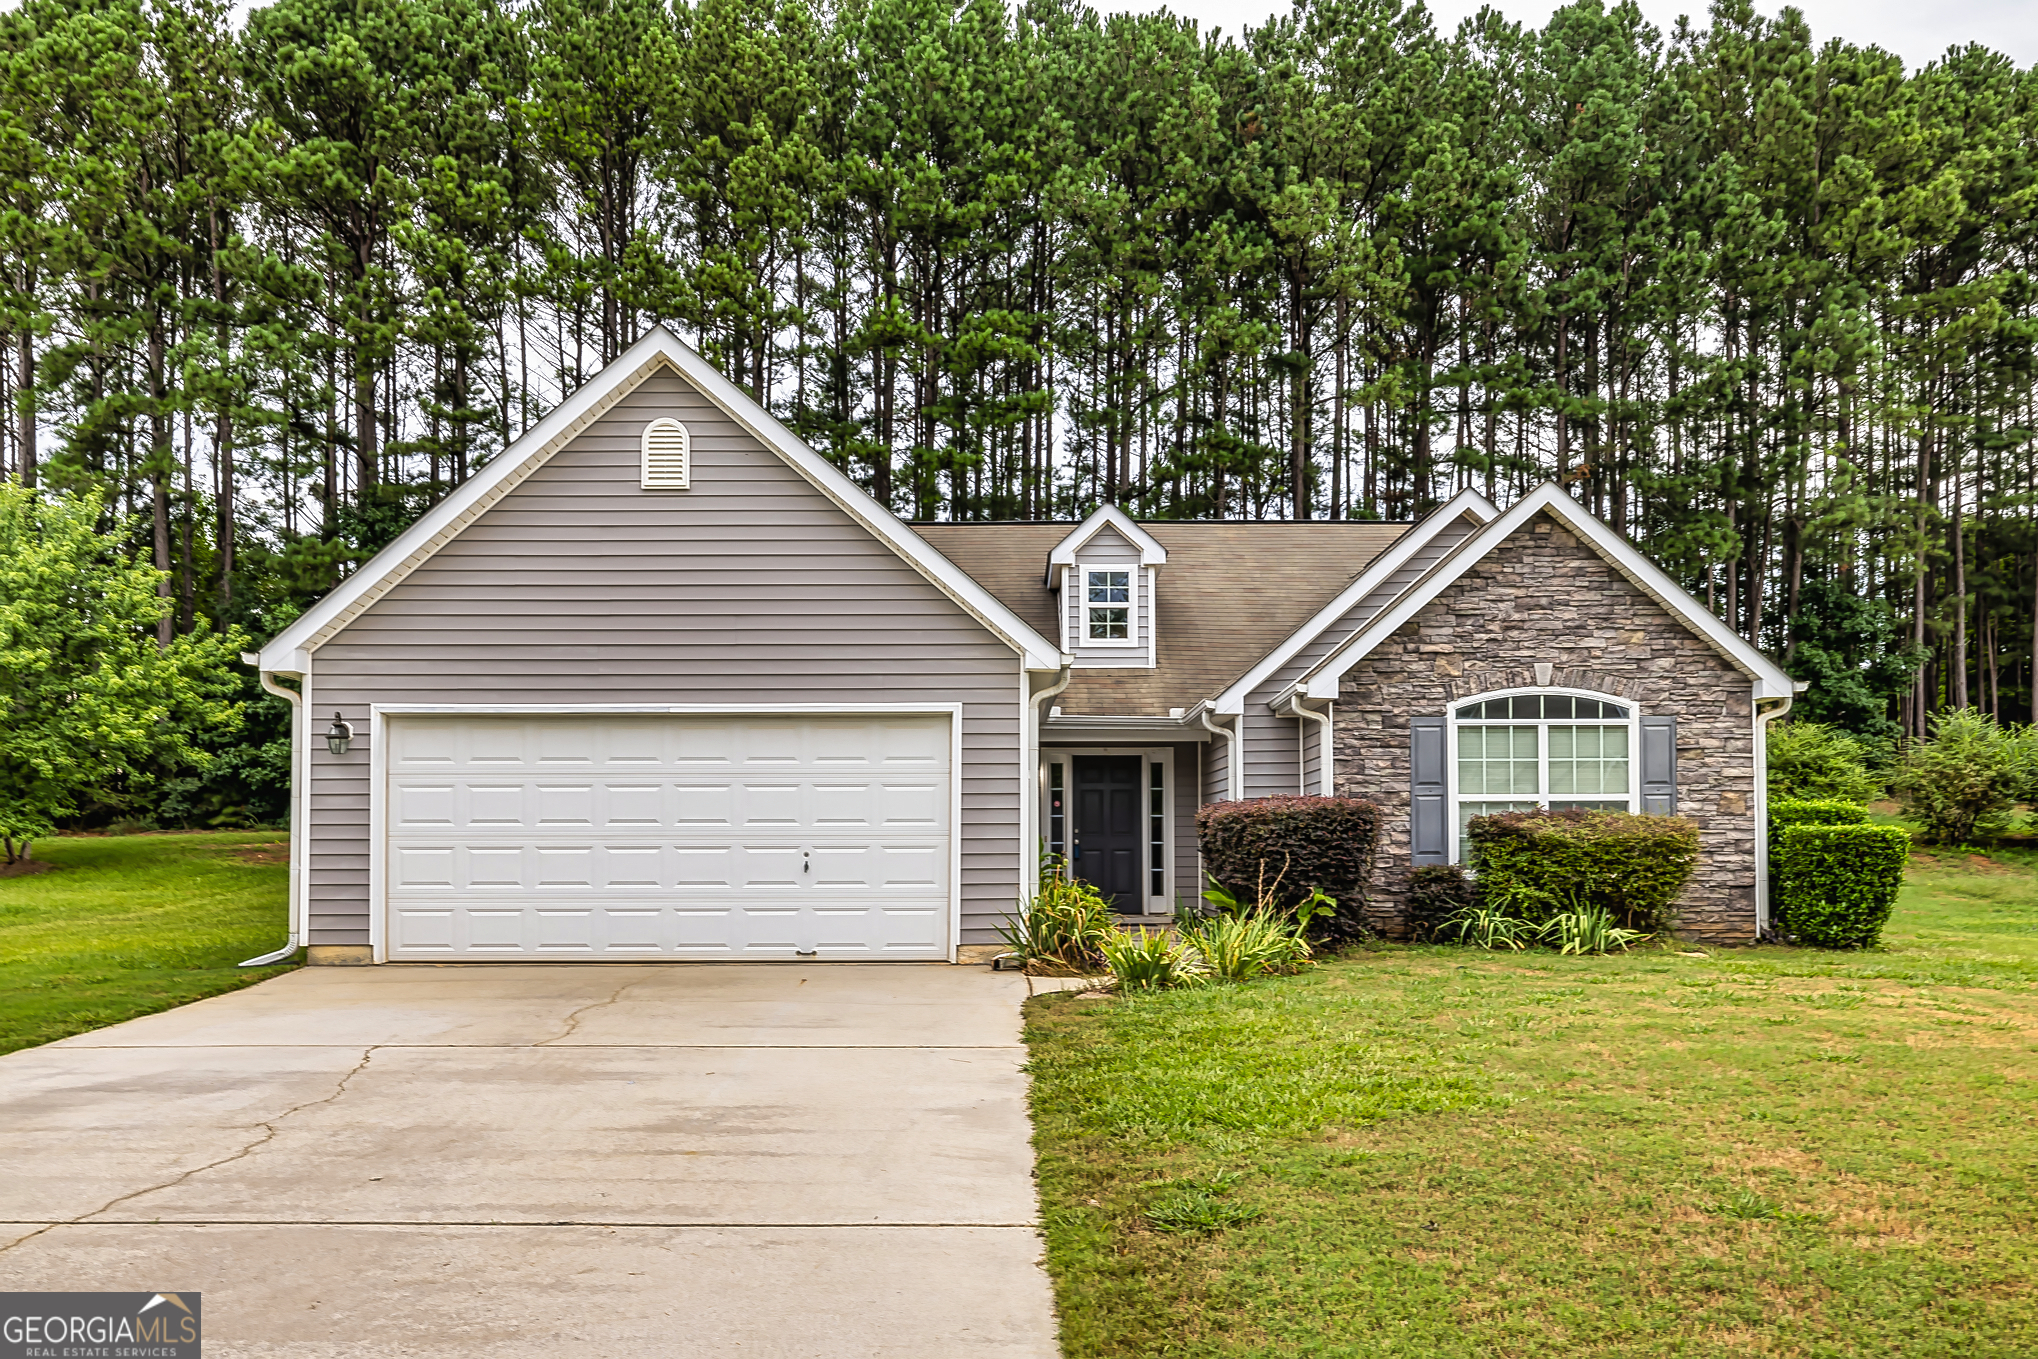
548 1160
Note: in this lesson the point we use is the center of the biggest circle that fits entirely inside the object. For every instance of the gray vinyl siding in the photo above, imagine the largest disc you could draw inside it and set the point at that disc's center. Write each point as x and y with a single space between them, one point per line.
1270 739
750 588
1188 867
1268 760
1108 550
1216 765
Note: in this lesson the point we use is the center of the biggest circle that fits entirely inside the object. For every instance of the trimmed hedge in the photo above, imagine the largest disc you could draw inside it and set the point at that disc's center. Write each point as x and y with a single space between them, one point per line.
1631 866
1836 885
1785 813
1436 893
1299 843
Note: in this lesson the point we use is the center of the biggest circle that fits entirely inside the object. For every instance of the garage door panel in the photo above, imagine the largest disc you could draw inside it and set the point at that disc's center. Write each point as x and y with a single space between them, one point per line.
683 837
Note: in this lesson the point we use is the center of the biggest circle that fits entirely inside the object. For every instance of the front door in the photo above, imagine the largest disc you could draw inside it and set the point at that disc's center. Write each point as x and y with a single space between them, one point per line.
1105 837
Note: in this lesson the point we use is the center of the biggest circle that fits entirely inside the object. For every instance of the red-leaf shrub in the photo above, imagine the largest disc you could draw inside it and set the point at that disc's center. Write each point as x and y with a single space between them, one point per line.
1285 847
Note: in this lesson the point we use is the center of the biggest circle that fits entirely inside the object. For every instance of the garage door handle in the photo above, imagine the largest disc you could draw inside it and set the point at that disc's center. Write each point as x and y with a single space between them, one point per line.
805 952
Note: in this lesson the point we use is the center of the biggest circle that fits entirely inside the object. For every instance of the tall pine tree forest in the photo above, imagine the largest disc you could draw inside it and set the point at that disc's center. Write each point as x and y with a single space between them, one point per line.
1764 301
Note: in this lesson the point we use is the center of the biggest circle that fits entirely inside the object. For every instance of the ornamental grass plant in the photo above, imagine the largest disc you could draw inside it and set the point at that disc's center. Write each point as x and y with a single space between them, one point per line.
1151 960
1064 928
1255 942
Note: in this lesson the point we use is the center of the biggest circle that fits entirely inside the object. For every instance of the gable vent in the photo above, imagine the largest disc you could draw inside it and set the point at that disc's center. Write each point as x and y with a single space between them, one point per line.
668 456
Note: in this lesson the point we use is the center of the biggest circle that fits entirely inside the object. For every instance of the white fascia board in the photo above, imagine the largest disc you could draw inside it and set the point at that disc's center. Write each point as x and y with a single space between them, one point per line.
1151 553
1770 680
508 469
1377 572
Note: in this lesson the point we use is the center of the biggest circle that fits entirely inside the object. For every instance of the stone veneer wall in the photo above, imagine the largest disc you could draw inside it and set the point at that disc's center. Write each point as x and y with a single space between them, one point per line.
1544 596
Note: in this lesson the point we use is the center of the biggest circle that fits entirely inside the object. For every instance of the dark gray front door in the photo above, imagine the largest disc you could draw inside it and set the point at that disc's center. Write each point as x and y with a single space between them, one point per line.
1107 825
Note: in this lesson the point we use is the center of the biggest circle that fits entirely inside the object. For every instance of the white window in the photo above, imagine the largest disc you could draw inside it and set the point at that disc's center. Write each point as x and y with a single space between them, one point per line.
1107 607
1522 751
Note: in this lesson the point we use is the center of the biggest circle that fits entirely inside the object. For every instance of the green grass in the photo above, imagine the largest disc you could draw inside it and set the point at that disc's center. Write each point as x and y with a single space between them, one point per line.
129 925
1441 1152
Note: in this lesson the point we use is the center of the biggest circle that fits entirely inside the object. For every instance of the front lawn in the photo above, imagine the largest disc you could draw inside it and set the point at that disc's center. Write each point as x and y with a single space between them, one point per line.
1436 1152
128 925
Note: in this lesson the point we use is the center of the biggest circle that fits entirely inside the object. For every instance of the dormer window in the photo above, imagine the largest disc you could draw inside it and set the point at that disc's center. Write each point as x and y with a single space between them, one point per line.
1105 579
1109 603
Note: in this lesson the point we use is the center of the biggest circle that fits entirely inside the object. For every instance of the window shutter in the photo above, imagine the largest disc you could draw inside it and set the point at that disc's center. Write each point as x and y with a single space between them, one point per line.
1659 766
668 456
1428 793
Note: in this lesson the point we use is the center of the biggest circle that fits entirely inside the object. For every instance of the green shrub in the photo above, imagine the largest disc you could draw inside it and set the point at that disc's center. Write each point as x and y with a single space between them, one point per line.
1836 884
1829 812
1812 762
1437 893
1140 960
1962 781
1247 944
1064 928
1631 866
1281 849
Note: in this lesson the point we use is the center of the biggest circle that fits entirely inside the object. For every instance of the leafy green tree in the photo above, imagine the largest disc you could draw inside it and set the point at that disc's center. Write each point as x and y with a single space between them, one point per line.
1812 762
1961 781
92 704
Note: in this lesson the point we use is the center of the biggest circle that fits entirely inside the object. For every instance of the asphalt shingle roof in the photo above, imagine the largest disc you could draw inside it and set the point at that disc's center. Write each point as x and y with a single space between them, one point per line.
1230 593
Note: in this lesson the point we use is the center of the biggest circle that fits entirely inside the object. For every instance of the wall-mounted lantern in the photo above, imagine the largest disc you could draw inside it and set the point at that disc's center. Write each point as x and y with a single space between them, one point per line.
338 735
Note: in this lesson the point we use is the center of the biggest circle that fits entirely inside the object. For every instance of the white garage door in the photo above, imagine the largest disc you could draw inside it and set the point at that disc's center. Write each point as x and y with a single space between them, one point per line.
656 836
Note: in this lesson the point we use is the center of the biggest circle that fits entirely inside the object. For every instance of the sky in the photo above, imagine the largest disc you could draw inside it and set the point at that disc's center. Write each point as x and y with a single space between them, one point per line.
1916 30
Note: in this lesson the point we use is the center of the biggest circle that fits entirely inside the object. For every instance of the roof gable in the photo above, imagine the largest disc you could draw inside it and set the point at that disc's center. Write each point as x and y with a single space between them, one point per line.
1106 518
1378 572
1770 679
290 651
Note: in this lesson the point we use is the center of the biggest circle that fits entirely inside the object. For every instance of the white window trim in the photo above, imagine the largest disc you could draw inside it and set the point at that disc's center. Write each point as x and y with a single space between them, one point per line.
1153 616
1164 903
1133 589
1452 802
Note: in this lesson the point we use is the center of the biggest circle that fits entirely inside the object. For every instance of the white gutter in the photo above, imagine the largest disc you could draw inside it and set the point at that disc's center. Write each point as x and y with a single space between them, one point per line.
1322 721
300 831
1762 721
1230 754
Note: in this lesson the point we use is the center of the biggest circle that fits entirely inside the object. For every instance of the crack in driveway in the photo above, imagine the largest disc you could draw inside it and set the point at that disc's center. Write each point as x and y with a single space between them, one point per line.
269 1128
573 1020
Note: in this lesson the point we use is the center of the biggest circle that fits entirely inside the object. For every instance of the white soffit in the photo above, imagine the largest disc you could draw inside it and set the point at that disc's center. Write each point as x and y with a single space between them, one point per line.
288 652
1151 553
1770 679
1377 572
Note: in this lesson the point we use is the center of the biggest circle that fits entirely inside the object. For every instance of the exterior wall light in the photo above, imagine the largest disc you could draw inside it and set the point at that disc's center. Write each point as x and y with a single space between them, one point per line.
338 735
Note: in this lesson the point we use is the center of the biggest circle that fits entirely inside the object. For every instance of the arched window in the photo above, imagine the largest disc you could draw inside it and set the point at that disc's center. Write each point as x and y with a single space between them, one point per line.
1515 751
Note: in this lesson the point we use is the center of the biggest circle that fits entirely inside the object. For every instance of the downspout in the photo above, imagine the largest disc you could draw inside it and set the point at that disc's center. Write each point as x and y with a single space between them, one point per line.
1322 721
1040 701
1230 755
1762 721
300 832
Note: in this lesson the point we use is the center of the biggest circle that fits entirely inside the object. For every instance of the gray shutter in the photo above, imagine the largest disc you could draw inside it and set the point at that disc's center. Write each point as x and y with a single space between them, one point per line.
1428 793
1659 766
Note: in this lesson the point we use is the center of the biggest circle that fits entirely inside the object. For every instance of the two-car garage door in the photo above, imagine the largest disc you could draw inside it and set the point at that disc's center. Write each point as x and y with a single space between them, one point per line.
679 836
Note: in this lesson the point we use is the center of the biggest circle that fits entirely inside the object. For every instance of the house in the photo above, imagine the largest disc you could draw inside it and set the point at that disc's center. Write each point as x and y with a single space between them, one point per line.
660 682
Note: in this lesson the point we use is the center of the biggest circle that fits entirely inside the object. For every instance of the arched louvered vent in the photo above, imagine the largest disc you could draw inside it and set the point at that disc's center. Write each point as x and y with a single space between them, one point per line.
668 456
